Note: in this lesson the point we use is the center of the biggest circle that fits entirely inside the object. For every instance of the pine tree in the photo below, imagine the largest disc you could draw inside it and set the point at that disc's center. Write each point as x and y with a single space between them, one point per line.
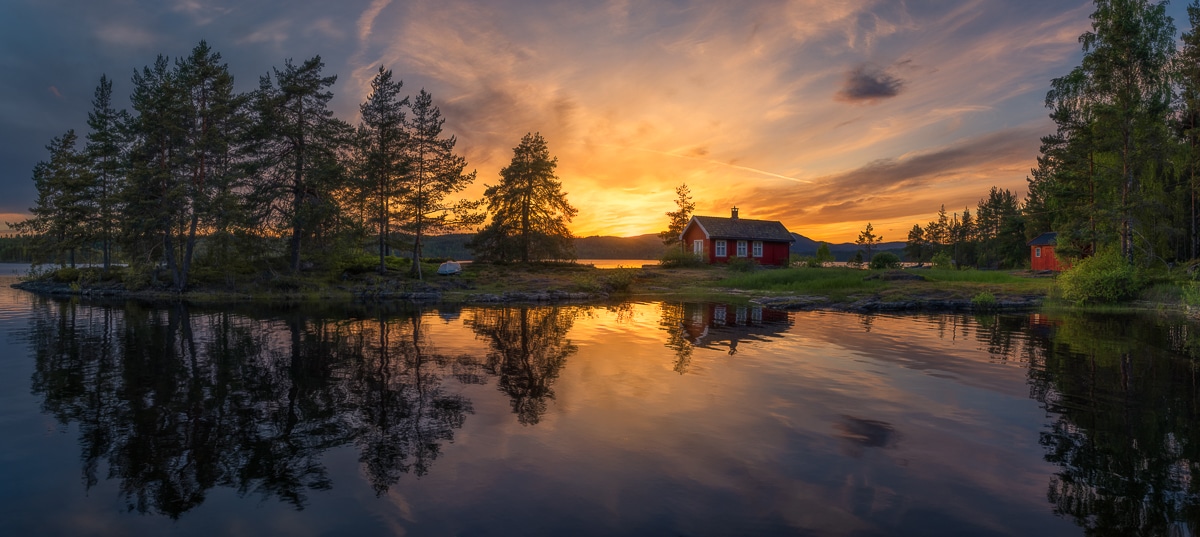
868 239
435 172
59 221
679 218
104 145
529 210
387 164
297 149
212 116
155 191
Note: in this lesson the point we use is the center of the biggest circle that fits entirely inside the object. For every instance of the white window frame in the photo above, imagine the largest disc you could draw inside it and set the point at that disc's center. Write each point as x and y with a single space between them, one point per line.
757 250
741 248
698 247
721 249
1037 251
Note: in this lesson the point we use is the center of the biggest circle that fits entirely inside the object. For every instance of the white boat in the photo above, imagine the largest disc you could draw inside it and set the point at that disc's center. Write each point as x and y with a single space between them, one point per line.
449 268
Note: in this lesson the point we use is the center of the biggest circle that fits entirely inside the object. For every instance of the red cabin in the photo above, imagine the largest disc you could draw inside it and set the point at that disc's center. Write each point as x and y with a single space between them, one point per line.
718 240
1041 253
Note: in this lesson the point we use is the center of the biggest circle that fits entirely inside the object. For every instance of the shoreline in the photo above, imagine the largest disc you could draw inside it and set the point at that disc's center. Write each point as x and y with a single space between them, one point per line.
573 285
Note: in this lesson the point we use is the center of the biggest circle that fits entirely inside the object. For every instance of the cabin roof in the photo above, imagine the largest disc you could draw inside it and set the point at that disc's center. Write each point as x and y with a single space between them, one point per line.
1048 238
717 227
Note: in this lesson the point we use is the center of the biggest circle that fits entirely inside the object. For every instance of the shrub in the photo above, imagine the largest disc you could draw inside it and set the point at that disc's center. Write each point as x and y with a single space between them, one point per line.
885 260
619 280
856 261
942 261
813 263
679 259
742 264
67 275
1101 279
985 300
1190 293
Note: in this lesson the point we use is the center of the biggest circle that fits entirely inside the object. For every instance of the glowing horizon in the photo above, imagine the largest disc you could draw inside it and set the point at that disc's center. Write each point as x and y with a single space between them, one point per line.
822 116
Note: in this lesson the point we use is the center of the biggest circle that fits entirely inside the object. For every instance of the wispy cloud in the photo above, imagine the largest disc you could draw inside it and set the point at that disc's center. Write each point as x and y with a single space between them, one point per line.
54 91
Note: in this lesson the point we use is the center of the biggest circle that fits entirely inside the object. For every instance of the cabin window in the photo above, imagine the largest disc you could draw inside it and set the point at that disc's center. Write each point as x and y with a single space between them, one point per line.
721 249
757 248
1037 251
698 247
741 249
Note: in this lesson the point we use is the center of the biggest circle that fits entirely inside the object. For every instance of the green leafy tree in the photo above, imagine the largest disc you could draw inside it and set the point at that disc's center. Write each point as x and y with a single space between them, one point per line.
435 173
529 210
1125 88
1187 70
679 218
386 154
823 254
868 239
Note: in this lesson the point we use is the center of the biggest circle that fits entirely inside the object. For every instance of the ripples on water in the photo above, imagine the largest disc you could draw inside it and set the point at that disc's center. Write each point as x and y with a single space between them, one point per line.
637 418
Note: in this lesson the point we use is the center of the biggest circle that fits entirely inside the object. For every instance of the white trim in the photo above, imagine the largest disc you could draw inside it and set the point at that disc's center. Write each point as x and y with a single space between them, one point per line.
742 249
721 248
689 226
1037 251
756 249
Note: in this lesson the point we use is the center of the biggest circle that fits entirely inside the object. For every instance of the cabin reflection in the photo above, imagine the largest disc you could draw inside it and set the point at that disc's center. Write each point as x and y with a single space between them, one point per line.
725 326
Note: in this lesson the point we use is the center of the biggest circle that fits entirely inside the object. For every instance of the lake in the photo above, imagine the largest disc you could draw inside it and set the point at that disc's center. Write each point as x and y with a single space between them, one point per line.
640 418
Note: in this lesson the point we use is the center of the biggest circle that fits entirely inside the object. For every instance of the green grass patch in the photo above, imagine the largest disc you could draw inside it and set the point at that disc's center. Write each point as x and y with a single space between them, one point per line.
803 280
973 276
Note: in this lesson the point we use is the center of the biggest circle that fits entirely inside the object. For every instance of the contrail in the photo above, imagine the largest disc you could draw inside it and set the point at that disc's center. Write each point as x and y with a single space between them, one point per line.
710 161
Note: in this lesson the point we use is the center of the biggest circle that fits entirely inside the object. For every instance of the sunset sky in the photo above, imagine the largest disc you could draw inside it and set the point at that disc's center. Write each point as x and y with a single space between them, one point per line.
824 115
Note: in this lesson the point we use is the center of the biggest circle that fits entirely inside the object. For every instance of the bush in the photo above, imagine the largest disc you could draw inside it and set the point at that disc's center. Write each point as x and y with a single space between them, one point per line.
1101 279
679 259
1190 294
856 261
742 264
942 261
66 275
619 280
985 300
885 260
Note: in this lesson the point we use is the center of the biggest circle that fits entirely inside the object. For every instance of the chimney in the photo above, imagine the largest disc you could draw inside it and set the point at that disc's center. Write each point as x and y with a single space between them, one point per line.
734 211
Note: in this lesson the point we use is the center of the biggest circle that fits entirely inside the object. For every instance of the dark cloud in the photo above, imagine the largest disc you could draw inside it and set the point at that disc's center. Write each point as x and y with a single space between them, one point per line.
869 83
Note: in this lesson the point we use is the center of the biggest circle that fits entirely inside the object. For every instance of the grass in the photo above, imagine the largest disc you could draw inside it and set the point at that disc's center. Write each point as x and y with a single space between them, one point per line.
803 280
974 276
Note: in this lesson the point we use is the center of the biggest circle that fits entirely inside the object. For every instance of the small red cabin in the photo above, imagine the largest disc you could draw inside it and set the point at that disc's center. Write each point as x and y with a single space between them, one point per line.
718 240
1041 253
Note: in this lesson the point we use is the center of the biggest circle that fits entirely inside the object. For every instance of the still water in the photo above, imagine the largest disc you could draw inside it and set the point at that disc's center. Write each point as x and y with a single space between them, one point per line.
648 418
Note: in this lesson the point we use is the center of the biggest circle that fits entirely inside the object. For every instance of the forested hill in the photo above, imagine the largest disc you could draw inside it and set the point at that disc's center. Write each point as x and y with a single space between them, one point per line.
596 247
640 247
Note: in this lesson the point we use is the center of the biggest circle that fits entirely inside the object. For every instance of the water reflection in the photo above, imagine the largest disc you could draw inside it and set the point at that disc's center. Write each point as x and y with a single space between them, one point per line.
843 414
528 350
708 325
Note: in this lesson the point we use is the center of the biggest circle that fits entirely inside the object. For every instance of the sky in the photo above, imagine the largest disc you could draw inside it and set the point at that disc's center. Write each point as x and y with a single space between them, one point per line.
823 115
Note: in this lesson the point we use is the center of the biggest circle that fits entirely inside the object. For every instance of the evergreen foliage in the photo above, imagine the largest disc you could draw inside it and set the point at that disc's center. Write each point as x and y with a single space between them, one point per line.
197 182
435 173
679 218
529 210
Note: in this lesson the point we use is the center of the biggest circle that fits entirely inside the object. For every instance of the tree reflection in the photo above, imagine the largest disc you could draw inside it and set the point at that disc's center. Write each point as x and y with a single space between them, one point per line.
1124 431
403 410
176 402
528 349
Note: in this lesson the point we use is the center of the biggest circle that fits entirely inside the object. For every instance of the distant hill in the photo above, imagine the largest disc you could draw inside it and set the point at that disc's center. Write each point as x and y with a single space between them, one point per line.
805 246
600 247
647 246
